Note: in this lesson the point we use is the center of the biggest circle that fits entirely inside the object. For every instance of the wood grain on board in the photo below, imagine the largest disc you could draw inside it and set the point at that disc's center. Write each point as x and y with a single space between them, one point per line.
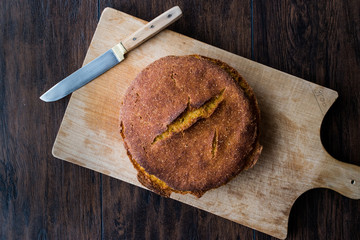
293 159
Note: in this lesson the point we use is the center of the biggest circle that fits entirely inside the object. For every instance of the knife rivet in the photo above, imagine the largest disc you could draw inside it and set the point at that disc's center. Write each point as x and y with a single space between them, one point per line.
169 16
152 26
134 38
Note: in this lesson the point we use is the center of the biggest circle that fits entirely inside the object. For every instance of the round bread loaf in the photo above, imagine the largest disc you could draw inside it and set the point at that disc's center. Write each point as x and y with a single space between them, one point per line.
189 124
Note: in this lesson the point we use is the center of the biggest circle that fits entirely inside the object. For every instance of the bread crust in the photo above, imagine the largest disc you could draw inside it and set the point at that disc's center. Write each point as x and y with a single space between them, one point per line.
207 151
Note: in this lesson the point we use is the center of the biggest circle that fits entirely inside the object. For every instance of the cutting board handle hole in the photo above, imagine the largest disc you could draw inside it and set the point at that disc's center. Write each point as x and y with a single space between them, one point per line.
352 182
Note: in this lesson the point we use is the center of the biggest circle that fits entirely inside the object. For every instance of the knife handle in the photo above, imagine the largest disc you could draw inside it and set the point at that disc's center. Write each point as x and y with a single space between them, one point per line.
151 28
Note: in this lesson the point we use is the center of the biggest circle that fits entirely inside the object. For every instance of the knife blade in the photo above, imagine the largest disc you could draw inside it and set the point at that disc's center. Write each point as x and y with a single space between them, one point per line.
111 57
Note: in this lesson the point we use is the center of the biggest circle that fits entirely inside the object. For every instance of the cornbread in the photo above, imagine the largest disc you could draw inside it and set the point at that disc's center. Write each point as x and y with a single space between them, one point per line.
189 124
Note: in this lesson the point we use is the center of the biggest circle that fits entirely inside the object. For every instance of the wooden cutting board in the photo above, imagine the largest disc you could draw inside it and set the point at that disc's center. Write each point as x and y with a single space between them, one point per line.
293 159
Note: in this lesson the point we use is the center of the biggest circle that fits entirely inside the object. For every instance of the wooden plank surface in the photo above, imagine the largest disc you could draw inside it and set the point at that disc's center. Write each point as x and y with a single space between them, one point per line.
42 197
318 41
293 159
320 214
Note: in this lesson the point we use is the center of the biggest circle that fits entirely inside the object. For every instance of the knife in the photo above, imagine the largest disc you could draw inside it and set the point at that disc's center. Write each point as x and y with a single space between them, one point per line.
110 58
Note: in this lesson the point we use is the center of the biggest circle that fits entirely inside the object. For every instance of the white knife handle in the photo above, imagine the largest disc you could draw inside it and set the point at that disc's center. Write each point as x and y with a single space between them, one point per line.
152 28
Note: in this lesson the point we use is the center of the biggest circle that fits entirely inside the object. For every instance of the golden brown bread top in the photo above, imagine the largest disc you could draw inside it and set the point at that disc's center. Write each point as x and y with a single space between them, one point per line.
207 120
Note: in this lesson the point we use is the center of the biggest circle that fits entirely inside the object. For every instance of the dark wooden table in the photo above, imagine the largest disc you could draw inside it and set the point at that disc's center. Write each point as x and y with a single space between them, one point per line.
42 41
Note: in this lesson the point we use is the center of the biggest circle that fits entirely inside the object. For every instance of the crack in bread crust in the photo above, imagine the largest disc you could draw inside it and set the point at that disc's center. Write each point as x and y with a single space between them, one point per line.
190 116
214 144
